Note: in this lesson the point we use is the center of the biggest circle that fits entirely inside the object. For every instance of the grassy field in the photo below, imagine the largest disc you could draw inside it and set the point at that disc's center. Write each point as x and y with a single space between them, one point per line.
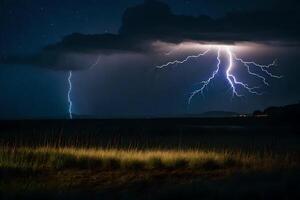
49 158
49 170
209 163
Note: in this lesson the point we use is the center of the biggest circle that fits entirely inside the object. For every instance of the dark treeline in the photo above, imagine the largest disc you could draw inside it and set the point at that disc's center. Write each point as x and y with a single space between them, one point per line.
289 111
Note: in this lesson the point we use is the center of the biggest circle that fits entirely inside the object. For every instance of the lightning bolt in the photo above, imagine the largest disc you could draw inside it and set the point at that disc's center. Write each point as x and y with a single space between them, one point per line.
206 83
184 60
232 80
95 63
263 68
70 87
70 103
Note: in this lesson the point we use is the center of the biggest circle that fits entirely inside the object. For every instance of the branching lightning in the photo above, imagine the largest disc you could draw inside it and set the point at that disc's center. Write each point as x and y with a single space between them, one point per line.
263 68
69 95
184 60
206 83
234 84
232 80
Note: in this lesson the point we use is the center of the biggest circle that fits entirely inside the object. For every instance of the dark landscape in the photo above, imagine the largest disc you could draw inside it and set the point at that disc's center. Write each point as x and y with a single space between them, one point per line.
149 99
210 158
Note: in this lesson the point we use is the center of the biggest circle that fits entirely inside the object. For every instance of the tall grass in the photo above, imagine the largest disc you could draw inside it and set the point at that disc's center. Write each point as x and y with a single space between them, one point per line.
51 158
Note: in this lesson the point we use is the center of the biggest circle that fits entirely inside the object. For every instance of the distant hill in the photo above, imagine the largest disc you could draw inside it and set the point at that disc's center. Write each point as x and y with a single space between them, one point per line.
214 114
219 114
210 114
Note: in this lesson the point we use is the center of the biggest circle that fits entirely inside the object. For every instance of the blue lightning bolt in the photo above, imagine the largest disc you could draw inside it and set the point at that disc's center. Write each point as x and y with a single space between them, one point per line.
69 95
263 68
232 80
206 83
70 74
95 63
184 60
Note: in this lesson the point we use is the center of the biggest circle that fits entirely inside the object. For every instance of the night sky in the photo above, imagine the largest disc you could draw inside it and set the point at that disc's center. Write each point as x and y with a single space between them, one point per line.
113 47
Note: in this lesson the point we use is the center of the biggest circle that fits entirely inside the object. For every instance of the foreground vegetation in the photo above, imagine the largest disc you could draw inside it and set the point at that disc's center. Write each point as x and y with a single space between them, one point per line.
130 160
148 174
50 158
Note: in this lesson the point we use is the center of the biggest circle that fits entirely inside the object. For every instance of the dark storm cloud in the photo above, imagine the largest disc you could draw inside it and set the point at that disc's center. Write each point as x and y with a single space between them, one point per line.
153 20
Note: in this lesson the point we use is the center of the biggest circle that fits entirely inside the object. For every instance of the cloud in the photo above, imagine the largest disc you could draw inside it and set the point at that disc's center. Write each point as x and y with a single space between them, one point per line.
154 21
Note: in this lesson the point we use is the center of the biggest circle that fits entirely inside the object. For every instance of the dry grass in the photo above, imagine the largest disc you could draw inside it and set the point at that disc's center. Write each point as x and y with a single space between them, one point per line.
114 159
147 174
